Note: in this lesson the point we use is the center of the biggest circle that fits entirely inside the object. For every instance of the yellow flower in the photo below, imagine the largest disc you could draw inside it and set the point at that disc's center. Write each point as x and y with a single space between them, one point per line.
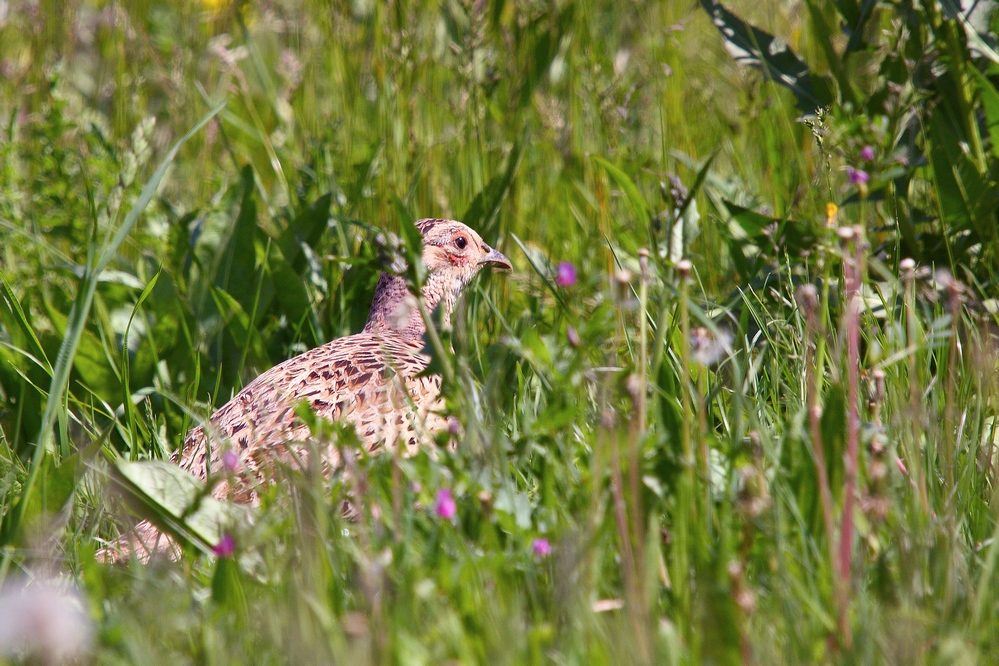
831 210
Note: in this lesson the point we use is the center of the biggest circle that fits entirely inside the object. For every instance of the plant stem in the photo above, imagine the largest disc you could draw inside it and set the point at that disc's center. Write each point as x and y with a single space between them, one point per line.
809 304
915 410
686 504
639 424
852 276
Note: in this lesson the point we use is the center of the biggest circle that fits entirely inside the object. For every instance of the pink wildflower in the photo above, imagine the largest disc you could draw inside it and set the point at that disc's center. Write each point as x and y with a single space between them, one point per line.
857 176
444 504
541 547
226 546
566 274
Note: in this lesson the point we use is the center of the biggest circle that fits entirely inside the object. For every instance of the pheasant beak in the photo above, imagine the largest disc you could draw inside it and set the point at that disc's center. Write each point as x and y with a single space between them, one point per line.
496 259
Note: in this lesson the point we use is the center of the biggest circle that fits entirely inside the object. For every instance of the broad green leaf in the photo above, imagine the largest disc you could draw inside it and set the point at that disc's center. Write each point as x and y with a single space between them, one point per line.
307 228
967 198
990 106
227 588
91 362
54 487
788 235
178 502
755 48
167 339
749 222
289 288
237 271
238 324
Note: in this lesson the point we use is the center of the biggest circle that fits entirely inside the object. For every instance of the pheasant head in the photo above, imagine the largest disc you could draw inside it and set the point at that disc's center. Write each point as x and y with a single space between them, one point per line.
453 254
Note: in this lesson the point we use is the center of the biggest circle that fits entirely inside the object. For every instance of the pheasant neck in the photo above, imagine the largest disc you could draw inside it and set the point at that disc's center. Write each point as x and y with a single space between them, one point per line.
393 309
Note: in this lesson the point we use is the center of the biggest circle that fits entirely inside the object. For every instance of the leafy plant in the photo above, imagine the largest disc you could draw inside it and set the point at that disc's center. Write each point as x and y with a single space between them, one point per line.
912 82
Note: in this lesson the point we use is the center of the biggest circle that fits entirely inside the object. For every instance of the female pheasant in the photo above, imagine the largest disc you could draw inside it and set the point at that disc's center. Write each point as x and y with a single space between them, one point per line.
369 380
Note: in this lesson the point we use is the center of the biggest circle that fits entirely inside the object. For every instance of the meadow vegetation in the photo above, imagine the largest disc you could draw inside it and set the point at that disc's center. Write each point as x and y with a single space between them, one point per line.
736 403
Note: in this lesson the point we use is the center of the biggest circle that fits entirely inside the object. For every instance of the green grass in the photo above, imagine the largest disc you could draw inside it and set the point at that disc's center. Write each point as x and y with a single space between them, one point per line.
681 493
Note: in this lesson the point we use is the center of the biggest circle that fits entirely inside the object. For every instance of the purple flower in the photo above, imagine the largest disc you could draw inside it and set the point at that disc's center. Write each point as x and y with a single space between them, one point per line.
225 547
566 274
867 154
541 547
230 461
444 504
857 176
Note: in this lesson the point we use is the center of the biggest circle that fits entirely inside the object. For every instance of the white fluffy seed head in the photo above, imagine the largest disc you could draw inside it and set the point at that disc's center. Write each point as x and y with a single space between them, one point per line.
43 621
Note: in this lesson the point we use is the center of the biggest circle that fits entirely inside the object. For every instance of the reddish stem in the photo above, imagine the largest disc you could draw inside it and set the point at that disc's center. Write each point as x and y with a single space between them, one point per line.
853 304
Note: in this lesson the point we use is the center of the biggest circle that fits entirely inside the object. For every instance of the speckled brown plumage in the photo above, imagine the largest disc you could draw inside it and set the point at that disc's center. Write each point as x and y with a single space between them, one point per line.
368 380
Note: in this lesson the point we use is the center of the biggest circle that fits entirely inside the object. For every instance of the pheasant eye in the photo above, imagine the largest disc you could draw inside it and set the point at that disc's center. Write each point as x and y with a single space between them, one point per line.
460 242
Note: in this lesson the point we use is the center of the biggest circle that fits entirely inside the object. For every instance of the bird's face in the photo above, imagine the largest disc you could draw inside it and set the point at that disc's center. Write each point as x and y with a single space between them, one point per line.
453 254
455 251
